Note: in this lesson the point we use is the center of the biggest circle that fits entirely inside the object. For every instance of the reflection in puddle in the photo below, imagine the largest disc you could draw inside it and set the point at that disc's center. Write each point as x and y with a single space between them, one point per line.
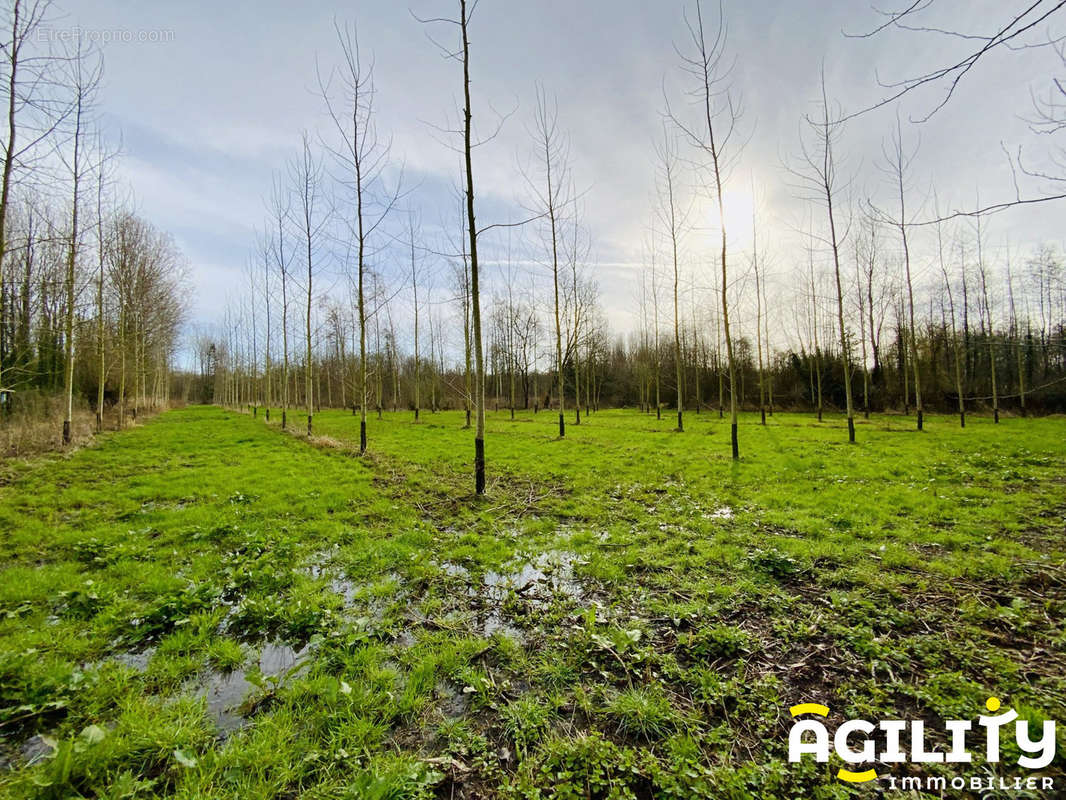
454 704
494 623
345 588
538 581
552 570
29 752
137 661
321 567
454 570
226 692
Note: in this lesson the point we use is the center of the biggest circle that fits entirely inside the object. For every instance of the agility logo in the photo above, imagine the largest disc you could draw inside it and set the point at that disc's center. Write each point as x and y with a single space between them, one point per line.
856 742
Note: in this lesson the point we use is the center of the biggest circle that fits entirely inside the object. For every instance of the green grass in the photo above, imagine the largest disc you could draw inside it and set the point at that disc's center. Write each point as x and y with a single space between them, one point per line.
627 613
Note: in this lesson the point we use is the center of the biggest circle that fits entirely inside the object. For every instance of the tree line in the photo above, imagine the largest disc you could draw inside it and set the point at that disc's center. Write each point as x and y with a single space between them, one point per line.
91 294
353 300
891 305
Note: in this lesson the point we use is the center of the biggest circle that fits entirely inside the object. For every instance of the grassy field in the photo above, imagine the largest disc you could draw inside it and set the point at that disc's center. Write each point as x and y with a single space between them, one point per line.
204 606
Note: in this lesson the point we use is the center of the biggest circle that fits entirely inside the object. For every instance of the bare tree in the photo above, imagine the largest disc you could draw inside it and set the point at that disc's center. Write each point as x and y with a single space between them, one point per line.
713 137
657 353
574 339
986 308
858 245
281 210
268 393
816 372
818 171
101 252
414 289
363 158
551 198
1020 29
463 56
759 288
306 176
34 110
956 351
86 68
673 216
897 163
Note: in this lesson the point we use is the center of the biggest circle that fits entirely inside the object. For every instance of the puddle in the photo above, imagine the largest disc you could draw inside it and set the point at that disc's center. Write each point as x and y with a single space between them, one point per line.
552 571
320 562
537 580
224 624
137 661
167 505
345 588
133 660
454 570
349 590
454 703
495 623
29 752
226 692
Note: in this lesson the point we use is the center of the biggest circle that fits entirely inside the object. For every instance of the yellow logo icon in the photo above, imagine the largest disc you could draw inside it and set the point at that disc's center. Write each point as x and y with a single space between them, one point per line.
842 774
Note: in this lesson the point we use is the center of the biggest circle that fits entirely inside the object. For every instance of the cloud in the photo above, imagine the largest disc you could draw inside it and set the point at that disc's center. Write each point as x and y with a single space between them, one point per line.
208 116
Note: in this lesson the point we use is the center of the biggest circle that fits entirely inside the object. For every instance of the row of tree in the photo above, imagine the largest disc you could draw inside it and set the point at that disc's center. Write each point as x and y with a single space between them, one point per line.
983 337
91 297
887 307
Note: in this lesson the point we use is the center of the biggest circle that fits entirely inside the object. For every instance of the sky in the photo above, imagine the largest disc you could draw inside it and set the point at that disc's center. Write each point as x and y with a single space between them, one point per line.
209 101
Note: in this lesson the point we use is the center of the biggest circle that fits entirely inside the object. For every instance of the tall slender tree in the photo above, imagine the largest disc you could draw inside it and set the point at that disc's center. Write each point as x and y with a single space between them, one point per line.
897 161
362 157
305 174
819 173
759 287
281 210
86 68
551 199
713 137
672 215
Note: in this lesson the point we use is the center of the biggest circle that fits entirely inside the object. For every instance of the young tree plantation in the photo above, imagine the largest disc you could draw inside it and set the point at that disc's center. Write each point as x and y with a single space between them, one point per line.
480 399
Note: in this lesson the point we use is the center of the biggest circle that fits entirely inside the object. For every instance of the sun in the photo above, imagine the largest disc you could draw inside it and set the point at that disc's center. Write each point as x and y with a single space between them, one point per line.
739 207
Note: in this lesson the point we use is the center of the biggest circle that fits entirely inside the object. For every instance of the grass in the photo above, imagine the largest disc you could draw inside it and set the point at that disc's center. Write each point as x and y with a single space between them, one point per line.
203 606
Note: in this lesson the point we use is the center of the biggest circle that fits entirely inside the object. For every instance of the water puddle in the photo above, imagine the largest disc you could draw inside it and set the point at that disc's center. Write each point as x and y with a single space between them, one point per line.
352 591
454 703
454 570
345 588
539 578
29 752
138 661
135 660
180 504
226 692
495 623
